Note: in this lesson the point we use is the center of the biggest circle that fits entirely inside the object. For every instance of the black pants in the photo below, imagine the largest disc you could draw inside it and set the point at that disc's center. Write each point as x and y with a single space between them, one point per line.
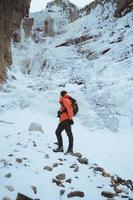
65 125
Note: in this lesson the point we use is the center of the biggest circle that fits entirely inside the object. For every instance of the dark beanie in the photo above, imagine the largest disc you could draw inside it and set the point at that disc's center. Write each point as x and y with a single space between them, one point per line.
63 93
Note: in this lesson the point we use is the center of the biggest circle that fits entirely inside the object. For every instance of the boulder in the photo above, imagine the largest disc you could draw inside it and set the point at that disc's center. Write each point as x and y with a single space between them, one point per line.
62 192
46 156
98 169
77 154
10 188
35 127
19 160
8 175
105 174
83 161
61 177
72 166
76 169
34 189
108 194
55 165
117 190
60 159
48 168
22 197
75 194
34 144
58 182
69 180
125 197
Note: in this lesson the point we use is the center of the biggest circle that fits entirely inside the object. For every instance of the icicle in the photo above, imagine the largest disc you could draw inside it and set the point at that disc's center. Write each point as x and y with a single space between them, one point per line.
22 34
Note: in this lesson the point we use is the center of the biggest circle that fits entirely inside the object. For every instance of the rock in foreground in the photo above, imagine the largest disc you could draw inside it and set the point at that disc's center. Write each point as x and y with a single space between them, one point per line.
75 194
108 194
22 197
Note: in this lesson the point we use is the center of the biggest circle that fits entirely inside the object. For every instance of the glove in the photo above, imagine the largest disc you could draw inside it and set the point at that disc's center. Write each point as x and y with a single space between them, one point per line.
58 113
71 121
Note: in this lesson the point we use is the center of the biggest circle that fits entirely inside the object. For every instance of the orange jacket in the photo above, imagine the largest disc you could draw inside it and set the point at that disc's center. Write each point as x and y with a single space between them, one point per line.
66 108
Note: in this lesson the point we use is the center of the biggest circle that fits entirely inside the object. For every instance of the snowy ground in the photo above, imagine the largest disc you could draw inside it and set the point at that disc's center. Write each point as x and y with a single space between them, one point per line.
103 127
101 147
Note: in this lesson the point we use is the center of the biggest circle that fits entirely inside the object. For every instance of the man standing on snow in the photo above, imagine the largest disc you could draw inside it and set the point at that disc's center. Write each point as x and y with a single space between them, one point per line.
65 115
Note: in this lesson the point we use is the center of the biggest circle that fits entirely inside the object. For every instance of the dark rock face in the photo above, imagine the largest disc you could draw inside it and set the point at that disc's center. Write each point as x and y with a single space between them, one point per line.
11 14
123 5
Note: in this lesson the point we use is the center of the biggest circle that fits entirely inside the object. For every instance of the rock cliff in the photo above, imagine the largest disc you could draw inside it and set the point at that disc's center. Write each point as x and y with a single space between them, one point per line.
11 14
57 14
123 5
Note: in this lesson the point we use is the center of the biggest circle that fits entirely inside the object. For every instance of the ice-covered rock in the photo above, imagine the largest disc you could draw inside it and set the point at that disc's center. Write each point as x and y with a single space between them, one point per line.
10 188
35 127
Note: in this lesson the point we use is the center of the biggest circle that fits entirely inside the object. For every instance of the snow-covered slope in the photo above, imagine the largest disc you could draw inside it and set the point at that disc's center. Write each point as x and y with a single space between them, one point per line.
93 61
103 63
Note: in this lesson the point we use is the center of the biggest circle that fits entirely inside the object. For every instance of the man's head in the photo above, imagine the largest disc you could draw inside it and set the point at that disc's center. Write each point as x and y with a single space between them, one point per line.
62 94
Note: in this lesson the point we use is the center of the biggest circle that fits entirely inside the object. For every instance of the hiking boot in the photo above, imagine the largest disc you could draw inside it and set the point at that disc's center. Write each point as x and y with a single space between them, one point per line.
59 149
69 151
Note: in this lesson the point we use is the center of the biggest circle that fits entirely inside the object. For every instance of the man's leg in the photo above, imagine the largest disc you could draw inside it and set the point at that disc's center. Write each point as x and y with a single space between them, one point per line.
58 132
68 130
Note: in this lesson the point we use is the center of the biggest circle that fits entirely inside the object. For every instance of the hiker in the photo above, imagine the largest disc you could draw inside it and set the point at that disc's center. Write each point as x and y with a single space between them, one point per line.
65 115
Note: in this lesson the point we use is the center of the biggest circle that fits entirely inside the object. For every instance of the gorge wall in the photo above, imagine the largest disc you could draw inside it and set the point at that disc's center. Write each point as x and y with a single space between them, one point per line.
11 15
